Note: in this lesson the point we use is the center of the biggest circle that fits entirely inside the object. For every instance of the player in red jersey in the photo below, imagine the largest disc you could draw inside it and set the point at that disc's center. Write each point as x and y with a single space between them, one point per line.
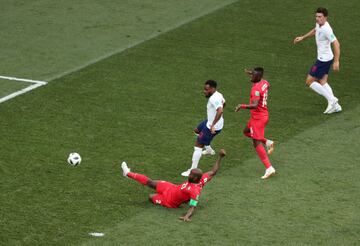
255 128
171 195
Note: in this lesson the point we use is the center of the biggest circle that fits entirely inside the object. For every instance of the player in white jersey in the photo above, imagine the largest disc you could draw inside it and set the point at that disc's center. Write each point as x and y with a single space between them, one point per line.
210 127
317 78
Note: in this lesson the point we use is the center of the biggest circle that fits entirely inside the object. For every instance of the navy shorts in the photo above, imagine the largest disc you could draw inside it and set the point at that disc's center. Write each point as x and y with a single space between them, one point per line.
319 69
205 136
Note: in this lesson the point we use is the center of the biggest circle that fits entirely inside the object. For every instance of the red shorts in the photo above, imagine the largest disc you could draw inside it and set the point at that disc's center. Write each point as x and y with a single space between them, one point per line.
162 196
257 127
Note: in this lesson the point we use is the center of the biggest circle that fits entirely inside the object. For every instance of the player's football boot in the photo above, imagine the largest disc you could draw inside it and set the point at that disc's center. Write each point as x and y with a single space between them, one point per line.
336 109
331 107
186 173
208 151
270 146
125 168
268 173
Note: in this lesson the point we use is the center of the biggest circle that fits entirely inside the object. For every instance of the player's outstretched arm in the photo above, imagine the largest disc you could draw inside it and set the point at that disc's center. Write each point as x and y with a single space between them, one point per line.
216 166
307 35
188 214
253 105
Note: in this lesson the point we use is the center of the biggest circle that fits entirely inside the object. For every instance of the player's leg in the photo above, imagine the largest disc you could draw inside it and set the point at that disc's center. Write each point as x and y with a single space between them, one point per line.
317 72
258 128
142 179
208 150
198 147
270 170
156 199
261 153
324 83
267 142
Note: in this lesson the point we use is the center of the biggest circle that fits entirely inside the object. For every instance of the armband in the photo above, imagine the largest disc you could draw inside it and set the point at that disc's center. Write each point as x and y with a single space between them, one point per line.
193 203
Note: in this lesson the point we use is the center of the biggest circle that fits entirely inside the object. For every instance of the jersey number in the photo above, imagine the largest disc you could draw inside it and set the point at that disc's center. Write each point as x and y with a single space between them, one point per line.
264 103
184 186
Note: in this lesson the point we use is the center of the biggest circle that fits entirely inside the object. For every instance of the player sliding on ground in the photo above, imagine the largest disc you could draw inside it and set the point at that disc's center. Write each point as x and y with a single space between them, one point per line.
255 128
317 78
171 195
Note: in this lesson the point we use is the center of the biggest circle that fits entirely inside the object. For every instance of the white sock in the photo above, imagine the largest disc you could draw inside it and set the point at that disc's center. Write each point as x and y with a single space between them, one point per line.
196 157
315 86
328 88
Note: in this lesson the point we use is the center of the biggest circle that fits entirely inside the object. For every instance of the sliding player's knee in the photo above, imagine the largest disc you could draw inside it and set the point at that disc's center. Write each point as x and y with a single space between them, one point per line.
151 183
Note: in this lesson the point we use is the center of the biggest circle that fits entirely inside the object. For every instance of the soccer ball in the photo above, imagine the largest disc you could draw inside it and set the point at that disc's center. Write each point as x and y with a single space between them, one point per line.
74 159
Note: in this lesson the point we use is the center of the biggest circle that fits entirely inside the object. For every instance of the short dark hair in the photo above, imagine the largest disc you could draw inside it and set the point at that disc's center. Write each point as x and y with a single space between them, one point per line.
322 10
259 70
211 83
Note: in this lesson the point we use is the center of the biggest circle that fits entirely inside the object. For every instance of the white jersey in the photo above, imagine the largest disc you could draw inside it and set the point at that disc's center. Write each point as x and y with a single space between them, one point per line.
324 36
215 101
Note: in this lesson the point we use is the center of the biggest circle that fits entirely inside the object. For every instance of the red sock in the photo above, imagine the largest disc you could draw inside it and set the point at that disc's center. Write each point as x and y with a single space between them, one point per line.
142 179
263 156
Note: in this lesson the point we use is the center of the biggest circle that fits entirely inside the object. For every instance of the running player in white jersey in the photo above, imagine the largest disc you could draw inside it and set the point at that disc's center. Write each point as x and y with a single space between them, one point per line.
210 127
317 78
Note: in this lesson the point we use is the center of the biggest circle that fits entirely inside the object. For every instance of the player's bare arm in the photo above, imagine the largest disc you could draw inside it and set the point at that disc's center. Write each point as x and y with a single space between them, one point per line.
336 47
215 168
218 115
211 174
253 105
188 214
307 35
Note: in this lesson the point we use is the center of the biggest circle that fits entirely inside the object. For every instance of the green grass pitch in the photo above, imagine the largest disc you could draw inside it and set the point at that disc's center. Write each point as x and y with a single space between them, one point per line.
141 103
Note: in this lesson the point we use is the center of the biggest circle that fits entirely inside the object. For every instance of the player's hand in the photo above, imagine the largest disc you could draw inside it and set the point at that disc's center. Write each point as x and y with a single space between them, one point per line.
185 219
336 66
222 153
248 71
298 39
237 108
212 129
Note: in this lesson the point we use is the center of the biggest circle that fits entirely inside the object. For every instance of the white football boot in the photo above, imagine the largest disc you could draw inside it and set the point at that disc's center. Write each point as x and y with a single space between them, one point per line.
337 109
208 151
125 168
268 173
331 106
186 173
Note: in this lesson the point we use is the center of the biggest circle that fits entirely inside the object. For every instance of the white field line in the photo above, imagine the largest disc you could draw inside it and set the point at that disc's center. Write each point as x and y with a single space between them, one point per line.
24 80
35 84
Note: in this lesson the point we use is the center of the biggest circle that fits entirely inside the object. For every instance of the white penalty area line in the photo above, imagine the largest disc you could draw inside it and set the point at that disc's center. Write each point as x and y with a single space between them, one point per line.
35 84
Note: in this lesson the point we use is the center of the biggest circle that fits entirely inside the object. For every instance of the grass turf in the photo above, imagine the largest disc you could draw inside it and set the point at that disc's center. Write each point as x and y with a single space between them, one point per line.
141 105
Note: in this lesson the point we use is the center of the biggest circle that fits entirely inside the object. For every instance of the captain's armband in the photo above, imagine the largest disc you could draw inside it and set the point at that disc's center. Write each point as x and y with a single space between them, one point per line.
193 203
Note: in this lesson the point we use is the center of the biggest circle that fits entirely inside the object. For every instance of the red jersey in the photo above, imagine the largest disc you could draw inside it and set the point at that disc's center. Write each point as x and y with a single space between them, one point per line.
179 194
259 91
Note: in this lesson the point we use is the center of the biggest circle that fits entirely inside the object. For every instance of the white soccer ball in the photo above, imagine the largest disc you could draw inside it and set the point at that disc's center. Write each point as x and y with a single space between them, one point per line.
74 159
